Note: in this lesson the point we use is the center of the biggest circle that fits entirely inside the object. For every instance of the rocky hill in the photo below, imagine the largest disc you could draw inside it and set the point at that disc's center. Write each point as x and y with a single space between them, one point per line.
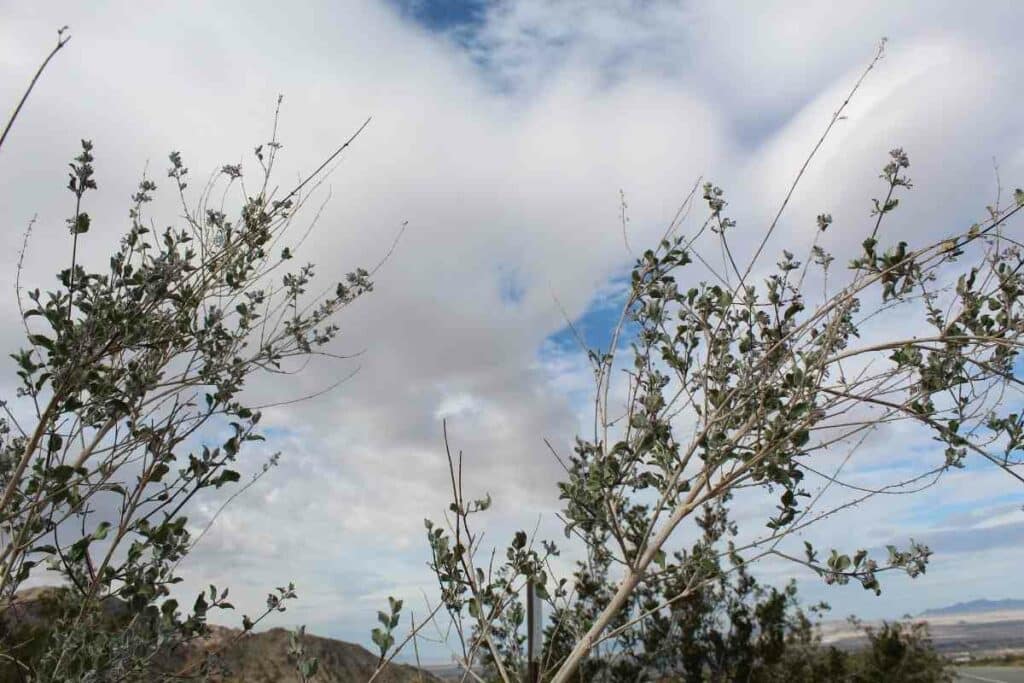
253 658
263 658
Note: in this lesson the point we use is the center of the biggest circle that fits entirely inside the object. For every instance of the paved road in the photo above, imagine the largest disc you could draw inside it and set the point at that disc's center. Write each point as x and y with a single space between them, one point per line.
991 674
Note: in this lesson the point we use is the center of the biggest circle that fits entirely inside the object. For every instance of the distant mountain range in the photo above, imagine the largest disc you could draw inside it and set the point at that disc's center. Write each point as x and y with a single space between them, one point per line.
981 627
975 607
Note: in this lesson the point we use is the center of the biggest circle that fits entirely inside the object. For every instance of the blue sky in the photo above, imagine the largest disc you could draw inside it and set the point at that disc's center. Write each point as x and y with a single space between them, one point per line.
594 327
444 16
503 133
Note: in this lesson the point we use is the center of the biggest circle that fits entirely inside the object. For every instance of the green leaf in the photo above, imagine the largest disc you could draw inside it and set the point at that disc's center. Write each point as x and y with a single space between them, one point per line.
101 531
159 471
41 340
225 477
660 558
79 224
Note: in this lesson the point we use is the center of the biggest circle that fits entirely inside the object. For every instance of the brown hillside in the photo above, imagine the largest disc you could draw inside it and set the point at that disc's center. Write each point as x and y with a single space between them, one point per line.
263 658
255 658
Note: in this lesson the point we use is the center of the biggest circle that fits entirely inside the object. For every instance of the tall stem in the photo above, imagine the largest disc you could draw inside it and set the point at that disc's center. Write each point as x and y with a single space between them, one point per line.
62 40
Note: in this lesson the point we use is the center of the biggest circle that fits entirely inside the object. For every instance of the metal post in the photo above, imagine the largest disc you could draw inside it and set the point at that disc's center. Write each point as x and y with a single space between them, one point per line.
534 638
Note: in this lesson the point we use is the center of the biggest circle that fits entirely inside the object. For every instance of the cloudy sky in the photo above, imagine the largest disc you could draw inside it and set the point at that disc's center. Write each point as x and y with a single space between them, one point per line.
503 134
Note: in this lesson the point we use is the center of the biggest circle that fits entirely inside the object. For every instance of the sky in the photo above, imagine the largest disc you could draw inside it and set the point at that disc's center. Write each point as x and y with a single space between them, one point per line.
502 134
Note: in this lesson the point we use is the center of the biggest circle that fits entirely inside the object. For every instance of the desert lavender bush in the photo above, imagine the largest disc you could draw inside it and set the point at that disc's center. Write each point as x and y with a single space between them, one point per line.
741 380
129 403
